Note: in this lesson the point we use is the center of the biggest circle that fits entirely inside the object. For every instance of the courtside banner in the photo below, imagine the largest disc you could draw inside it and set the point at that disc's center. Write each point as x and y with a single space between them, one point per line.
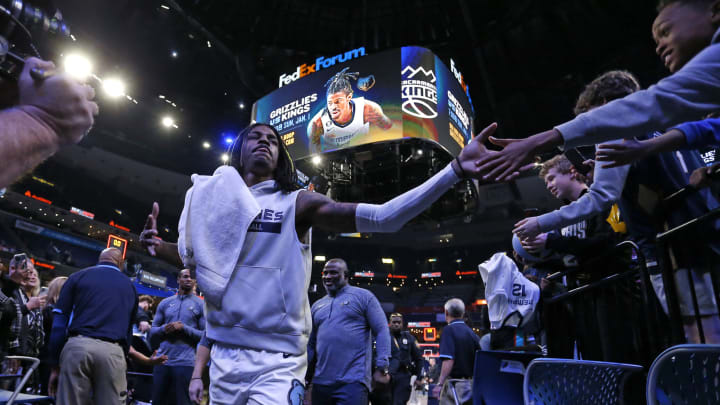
399 93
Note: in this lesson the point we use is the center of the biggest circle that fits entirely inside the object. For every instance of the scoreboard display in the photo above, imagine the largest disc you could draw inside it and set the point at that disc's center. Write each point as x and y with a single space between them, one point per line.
117 242
355 98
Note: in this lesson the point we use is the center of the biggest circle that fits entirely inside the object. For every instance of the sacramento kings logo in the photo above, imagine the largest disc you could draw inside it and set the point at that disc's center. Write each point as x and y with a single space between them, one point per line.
419 92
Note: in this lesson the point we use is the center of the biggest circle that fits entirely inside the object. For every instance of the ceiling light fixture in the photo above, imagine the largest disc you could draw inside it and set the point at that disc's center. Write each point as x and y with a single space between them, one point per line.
78 66
168 122
114 87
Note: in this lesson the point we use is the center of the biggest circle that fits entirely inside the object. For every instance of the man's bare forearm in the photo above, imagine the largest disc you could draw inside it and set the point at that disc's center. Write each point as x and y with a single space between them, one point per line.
168 252
667 142
25 142
546 141
445 370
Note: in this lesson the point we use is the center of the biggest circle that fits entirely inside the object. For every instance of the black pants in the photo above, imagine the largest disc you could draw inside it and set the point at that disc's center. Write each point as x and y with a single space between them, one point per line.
339 394
171 385
401 389
381 395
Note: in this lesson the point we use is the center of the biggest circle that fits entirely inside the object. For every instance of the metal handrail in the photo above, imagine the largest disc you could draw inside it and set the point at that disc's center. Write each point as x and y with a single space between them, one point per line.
663 241
33 366
451 383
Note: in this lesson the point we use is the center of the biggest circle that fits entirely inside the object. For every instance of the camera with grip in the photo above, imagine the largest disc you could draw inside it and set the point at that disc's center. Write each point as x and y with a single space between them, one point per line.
19 20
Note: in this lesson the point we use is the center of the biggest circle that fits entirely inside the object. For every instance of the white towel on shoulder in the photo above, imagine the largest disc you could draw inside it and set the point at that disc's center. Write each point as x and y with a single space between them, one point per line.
214 222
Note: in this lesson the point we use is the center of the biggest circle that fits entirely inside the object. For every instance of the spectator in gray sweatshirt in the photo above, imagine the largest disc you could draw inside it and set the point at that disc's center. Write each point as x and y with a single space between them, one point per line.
687 33
177 328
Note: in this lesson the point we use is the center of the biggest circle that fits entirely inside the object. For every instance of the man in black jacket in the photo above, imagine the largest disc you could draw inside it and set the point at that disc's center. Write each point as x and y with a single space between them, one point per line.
7 315
405 360
22 340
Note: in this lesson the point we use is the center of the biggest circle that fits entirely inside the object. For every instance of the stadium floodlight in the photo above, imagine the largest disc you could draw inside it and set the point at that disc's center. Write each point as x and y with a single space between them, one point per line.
167 121
114 87
78 66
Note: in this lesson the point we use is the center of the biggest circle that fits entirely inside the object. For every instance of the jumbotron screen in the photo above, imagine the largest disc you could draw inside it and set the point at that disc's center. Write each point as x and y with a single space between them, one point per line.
353 99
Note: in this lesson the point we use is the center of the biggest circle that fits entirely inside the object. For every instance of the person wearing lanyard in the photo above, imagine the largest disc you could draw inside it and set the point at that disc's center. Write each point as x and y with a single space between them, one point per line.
99 305
177 328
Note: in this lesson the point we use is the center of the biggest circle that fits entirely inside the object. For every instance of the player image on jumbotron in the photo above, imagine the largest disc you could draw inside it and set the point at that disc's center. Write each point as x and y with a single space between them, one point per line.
337 124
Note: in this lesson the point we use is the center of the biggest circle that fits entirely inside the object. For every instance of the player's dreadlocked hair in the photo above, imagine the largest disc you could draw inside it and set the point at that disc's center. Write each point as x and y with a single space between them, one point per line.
285 174
341 82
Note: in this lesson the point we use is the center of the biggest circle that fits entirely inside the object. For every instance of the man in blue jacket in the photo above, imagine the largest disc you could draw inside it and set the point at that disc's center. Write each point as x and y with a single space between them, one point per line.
345 322
177 328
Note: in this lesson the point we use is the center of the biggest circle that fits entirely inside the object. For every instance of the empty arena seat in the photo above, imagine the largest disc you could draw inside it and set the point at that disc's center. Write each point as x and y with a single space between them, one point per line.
576 382
685 374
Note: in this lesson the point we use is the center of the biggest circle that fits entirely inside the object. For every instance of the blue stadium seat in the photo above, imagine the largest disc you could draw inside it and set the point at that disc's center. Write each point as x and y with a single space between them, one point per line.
685 374
498 377
576 382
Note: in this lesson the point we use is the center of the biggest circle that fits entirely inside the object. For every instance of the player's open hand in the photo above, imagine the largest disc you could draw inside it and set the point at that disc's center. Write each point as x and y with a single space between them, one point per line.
474 151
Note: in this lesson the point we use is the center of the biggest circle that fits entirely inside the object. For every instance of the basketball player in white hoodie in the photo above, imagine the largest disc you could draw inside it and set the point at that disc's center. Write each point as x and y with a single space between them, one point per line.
260 332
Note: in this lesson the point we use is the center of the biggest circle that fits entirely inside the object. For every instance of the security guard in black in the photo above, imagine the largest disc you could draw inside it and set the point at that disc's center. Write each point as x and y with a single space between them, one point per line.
405 360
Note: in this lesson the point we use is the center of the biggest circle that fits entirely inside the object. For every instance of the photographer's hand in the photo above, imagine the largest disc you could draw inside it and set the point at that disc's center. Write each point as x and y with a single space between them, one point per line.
52 112
65 105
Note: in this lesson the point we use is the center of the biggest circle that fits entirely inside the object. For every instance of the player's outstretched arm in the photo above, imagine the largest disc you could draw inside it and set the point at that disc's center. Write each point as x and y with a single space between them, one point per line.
374 114
320 211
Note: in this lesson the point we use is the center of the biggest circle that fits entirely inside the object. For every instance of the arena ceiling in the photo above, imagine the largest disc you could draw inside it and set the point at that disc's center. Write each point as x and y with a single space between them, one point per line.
525 61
